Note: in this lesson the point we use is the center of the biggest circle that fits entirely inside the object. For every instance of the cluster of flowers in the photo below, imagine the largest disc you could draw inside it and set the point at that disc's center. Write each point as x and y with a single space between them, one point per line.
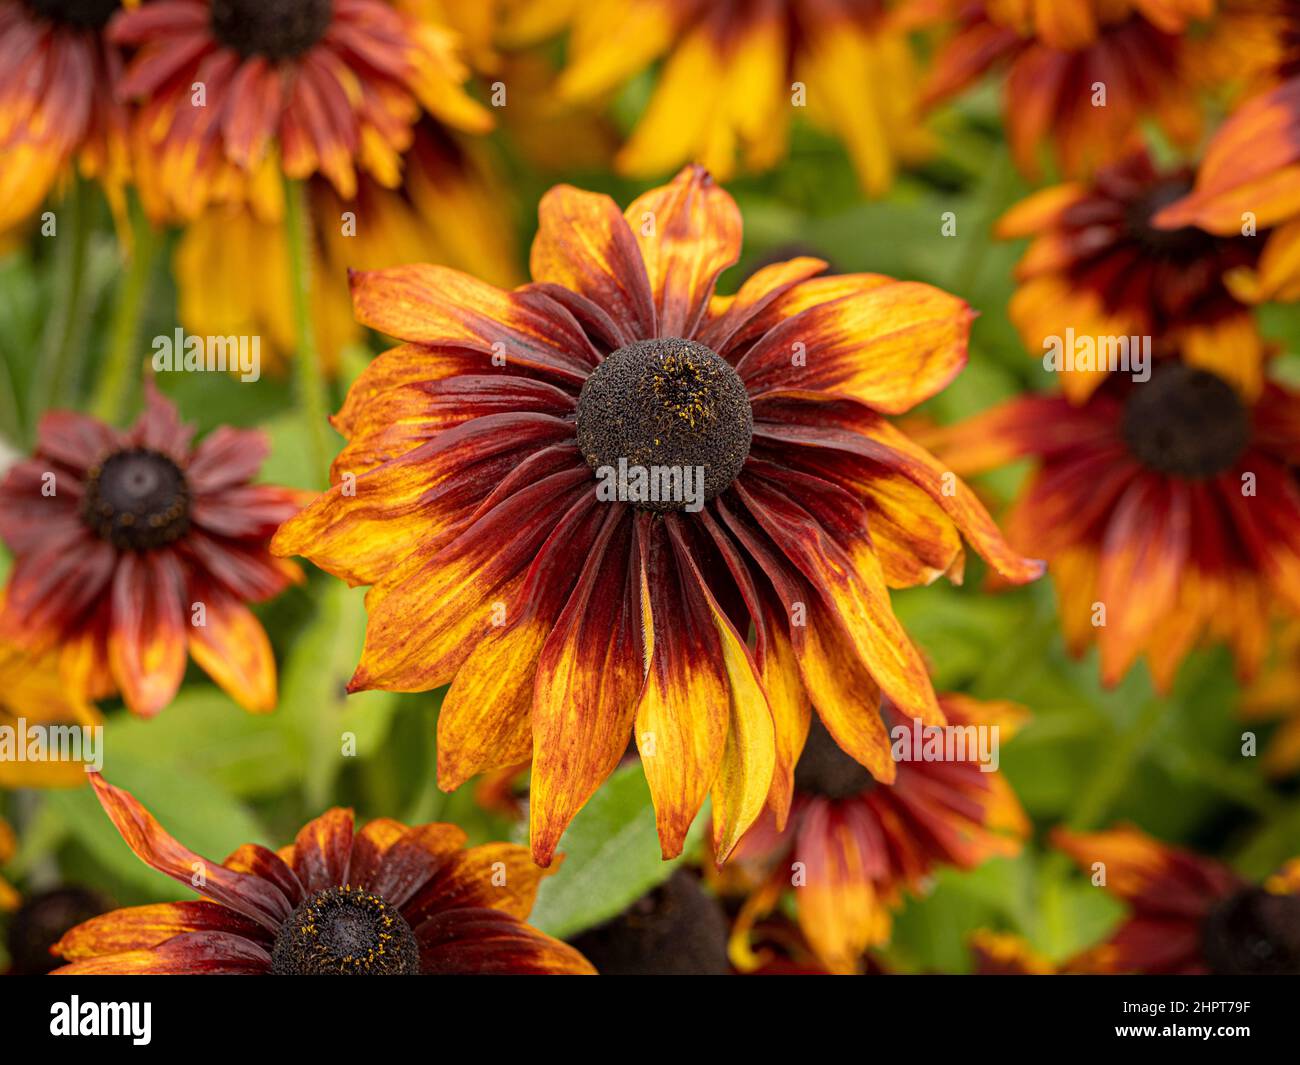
747 647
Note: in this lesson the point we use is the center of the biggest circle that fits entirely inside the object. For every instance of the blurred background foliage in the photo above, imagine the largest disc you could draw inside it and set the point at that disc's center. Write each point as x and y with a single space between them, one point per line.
216 776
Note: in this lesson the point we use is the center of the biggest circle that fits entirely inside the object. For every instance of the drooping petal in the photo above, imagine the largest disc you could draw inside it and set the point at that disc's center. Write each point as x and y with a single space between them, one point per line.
148 636
588 675
472 942
251 895
486 716
142 927
233 649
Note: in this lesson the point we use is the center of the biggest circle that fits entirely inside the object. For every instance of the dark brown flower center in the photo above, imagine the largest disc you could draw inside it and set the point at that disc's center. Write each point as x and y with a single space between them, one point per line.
79 14
1186 243
678 929
666 421
345 931
1186 423
274 29
40 922
823 769
1254 933
137 500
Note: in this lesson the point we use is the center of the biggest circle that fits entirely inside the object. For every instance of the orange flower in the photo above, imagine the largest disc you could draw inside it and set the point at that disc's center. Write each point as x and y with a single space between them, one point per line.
130 546
1167 511
480 495
388 900
228 88
1060 56
1251 170
736 72
852 846
232 262
1099 267
1188 914
57 102
33 694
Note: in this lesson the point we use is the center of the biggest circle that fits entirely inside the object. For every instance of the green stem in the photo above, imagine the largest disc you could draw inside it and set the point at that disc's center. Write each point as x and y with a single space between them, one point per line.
117 378
1095 802
51 385
310 382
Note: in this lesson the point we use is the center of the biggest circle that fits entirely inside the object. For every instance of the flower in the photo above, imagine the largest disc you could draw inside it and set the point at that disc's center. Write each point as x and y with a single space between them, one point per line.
1165 508
231 88
57 105
129 546
675 929
32 695
852 846
1099 267
386 900
1188 914
479 495
232 262
1251 168
735 73
1061 56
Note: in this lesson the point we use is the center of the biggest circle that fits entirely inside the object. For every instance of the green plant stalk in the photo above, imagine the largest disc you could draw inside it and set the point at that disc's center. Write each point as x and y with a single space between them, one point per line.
309 381
117 378
51 384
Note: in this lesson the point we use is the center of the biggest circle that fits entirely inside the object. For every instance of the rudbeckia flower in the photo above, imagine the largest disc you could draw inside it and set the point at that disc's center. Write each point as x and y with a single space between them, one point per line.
1189 915
735 73
1251 168
382 900
1166 509
1100 267
1059 56
232 262
130 547
676 929
57 105
496 491
230 88
852 845
33 695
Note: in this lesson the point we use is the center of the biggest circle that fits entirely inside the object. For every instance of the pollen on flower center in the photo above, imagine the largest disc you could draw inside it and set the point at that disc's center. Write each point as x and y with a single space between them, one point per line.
345 931
137 500
274 29
1186 422
823 769
666 404
1189 242
1254 933
80 14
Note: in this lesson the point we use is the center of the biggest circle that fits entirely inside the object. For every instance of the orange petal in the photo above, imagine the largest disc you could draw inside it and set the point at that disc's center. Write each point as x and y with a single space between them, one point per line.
233 649
141 927
147 639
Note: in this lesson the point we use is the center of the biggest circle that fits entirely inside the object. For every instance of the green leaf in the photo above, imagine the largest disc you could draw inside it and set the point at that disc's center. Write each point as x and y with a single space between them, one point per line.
611 858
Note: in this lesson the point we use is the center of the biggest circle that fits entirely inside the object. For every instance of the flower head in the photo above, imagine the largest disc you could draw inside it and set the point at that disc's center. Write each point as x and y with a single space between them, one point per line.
569 605
385 900
1188 914
57 104
852 847
313 86
1099 266
734 74
1167 510
130 547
